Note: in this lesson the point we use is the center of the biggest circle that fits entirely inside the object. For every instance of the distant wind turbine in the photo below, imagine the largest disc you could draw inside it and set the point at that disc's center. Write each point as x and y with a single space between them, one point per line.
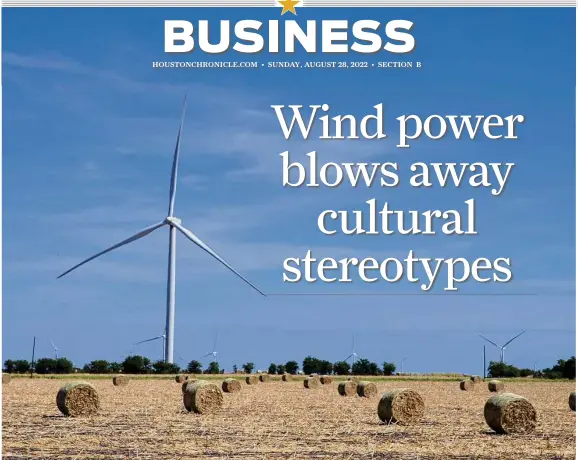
503 347
55 349
353 355
214 353
174 224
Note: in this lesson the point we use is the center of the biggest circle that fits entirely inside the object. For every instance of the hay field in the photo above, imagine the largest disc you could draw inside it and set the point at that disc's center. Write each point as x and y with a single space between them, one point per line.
147 420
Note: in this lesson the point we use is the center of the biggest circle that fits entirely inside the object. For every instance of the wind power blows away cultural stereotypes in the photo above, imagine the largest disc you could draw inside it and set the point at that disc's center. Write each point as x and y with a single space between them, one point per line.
174 224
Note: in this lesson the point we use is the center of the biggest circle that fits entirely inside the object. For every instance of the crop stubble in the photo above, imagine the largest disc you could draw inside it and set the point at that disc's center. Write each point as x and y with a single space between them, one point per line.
147 419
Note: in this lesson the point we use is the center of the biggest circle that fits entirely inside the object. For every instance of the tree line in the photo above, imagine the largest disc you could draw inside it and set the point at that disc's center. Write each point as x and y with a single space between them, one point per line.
136 364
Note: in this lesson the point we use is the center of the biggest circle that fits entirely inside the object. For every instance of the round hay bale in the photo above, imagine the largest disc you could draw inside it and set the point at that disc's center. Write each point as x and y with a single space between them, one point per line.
476 378
181 378
120 380
366 389
326 380
495 386
252 380
231 386
572 401
509 413
202 397
264 378
6 379
286 377
467 385
348 388
353 379
186 382
78 399
403 406
312 383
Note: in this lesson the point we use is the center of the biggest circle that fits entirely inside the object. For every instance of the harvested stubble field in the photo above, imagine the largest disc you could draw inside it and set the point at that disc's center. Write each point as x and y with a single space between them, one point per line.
146 419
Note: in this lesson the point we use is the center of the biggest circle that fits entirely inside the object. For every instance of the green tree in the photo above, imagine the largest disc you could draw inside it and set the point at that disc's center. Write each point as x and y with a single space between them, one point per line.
341 367
388 368
213 368
280 369
136 365
9 366
115 367
365 367
194 367
569 370
45 366
497 369
234 369
310 365
272 369
63 366
291 367
160 367
248 368
21 366
99 366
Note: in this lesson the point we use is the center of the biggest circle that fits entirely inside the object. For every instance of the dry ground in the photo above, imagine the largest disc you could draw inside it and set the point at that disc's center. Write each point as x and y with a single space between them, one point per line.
276 420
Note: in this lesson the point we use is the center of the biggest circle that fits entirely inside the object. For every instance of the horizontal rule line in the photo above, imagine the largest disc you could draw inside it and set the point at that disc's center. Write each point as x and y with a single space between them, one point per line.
360 294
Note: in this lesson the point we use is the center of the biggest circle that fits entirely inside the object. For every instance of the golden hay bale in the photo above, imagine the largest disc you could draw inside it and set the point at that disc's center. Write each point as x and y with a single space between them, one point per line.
286 377
509 413
467 385
78 399
231 385
120 380
202 397
6 379
354 379
366 389
403 406
312 383
264 378
181 378
326 380
348 388
572 401
186 382
476 378
495 386
252 380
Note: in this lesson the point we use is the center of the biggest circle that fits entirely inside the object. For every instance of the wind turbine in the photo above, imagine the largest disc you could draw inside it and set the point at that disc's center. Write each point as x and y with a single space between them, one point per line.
163 336
174 224
55 349
353 355
214 353
503 347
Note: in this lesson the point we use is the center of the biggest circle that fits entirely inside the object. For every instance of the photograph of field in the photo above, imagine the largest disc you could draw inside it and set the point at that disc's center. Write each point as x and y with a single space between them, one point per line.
147 419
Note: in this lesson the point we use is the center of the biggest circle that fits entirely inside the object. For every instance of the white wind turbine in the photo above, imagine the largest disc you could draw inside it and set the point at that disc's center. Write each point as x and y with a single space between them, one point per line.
174 224
214 353
503 347
353 355
56 350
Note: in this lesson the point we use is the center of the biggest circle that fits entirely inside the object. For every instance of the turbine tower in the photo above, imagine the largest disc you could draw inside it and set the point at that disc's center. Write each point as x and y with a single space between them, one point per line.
163 336
174 224
55 349
503 347
353 355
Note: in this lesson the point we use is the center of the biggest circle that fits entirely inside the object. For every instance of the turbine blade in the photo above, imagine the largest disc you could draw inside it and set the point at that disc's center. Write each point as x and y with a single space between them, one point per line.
208 250
175 168
347 357
512 339
488 340
53 346
135 237
149 340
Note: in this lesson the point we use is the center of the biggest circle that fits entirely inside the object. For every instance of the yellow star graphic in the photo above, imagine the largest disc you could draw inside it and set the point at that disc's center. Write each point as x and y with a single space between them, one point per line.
288 5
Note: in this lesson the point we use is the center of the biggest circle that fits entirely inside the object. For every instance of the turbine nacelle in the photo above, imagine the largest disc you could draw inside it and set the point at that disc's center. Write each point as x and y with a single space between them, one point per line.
171 220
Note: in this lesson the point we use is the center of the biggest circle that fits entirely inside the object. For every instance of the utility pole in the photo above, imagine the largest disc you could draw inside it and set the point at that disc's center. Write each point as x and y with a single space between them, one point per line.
484 362
32 363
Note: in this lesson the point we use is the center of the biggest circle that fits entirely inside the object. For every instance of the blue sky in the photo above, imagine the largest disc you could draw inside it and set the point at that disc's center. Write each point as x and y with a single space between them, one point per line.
89 128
